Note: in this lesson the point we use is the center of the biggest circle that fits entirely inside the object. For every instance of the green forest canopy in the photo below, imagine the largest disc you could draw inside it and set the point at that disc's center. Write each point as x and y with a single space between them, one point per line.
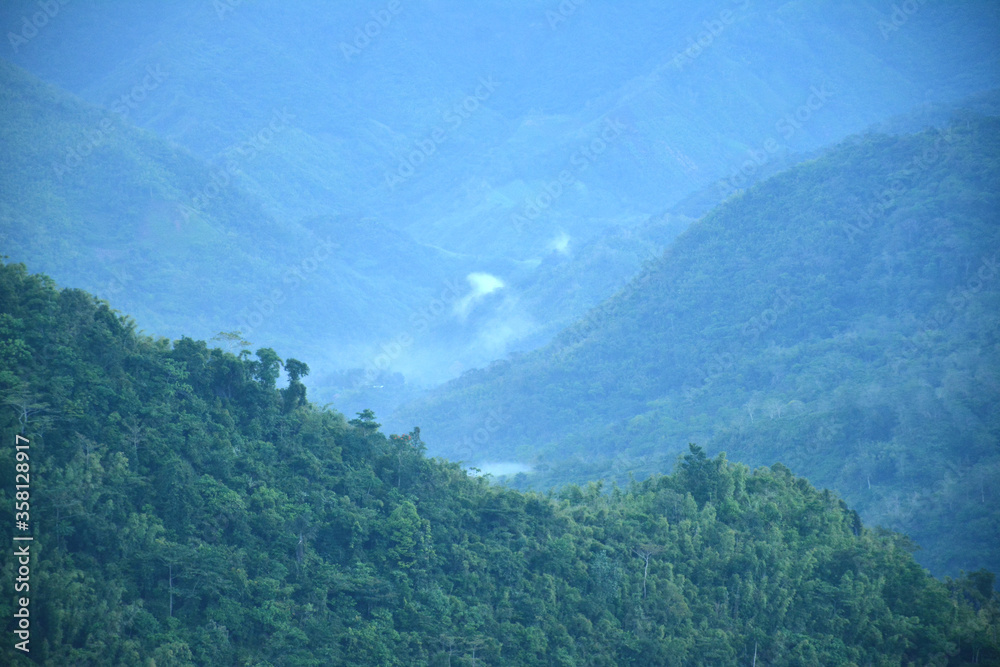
188 511
840 317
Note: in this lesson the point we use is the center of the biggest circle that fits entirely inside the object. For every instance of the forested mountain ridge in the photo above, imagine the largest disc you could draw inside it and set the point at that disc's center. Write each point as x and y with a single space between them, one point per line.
480 134
840 316
84 193
92 200
187 511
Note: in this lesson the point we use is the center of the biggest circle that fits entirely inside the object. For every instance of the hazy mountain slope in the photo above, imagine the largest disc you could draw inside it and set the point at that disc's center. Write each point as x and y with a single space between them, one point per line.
841 316
492 134
85 194
186 511
684 115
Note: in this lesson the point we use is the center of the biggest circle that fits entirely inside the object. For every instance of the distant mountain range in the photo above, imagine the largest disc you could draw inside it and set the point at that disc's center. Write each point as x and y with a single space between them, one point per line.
401 194
89 197
840 317
540 143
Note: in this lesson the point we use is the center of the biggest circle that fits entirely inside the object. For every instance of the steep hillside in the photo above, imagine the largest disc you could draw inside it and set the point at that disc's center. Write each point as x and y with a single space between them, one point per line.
95 201
186 511
88 197
841 316
535 142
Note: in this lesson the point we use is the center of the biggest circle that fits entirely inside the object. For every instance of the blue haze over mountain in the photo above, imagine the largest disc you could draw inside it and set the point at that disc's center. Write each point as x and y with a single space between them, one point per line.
570 246
472 136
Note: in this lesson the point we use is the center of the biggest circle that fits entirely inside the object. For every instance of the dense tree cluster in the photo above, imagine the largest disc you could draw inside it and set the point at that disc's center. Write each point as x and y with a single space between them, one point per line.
187 511
840 317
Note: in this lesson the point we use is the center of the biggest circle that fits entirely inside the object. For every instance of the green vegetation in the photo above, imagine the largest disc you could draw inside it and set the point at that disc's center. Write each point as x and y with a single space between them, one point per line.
263 96
188 511
93 201
460 184
840 317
